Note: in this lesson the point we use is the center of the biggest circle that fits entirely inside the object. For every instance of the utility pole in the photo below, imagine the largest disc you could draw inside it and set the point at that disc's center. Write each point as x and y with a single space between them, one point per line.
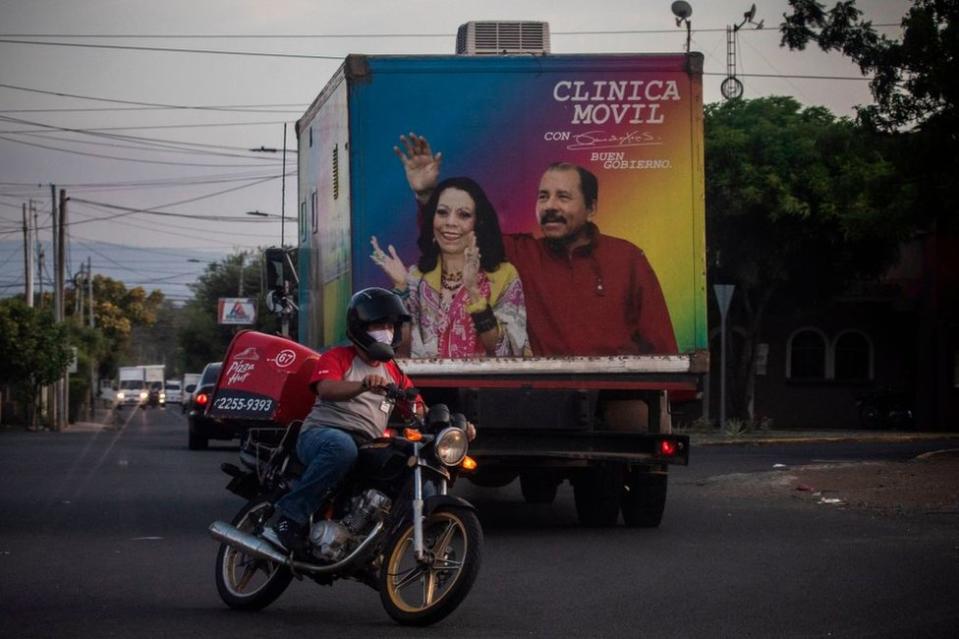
283 192
239 292
94 387
39 251
53 391
64 395
27 258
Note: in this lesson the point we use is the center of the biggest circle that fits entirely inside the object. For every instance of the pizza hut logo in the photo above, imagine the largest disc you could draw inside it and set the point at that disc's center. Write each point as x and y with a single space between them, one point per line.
248 353
284 358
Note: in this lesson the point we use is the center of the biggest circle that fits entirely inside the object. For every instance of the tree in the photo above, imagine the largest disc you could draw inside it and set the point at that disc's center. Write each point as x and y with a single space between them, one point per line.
118 310
34 351
798 205
914 84
201 339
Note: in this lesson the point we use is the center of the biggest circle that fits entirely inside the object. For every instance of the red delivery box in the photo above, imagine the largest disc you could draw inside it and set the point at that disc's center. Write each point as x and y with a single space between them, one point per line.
265 378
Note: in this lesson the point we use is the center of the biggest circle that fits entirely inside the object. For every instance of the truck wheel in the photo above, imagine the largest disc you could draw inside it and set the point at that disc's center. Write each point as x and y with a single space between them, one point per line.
597 495
197 443
538 489
644 499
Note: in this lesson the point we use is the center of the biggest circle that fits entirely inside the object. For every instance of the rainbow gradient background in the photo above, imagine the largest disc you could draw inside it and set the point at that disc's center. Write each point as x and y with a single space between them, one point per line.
490 117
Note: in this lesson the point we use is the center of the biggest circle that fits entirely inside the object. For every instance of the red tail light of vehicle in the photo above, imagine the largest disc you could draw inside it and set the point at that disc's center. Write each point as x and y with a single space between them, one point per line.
668 448
202 399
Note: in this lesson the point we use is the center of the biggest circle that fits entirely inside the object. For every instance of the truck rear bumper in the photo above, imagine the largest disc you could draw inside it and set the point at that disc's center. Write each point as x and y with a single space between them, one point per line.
509 447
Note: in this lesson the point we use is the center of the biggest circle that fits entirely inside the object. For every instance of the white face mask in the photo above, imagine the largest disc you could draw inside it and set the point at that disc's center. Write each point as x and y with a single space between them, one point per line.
383 335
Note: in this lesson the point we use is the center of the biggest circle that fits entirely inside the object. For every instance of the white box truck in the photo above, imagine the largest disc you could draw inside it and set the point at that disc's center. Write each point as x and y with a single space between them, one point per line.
131 387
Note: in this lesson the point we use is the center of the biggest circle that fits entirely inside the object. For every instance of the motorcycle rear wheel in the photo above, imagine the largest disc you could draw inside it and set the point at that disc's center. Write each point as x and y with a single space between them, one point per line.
245 582
421 593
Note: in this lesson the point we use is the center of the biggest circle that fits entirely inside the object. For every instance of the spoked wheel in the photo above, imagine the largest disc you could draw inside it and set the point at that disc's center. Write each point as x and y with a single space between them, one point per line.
246 582
421 593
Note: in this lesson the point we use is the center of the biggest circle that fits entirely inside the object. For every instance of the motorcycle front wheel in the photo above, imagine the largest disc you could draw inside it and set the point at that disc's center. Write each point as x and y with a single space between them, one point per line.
419 593
245 582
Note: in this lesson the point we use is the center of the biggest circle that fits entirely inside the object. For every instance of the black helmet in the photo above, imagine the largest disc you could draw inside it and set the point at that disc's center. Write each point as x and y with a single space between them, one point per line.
375 306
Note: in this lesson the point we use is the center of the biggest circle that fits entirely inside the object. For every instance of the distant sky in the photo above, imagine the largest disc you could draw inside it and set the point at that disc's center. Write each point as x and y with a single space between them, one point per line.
209 171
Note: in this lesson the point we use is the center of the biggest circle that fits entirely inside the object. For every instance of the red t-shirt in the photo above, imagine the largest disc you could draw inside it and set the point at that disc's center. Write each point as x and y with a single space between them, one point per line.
369 411
604 299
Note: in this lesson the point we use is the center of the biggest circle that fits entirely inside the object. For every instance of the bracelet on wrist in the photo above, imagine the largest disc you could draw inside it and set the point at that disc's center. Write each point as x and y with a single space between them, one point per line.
484 320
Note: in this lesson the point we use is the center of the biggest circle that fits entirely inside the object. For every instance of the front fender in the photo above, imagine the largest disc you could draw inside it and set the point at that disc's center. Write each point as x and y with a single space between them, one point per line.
432 503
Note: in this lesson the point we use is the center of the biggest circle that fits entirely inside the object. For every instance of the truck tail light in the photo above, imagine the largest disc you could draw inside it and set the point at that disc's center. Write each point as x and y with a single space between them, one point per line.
202 399
667 448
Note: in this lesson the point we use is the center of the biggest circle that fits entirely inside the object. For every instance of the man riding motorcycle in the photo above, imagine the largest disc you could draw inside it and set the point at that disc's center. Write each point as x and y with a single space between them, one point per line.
350 407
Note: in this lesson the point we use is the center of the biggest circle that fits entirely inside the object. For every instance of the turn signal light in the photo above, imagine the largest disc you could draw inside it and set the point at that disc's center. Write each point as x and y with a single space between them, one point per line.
202 399
667 448
468 463
412 434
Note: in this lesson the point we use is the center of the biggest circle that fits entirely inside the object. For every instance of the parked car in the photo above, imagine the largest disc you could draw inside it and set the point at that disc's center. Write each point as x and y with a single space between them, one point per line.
202 428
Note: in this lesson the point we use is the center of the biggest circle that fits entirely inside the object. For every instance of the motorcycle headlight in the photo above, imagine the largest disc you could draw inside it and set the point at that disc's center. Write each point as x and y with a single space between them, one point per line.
162 395
120 395
143 394
451 446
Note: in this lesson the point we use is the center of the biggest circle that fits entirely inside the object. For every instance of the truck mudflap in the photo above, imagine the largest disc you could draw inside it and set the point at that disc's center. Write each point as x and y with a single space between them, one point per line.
509 445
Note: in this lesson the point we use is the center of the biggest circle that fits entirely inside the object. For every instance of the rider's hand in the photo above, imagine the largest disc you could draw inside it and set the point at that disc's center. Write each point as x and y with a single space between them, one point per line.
422 167
375 383
391 264
470 431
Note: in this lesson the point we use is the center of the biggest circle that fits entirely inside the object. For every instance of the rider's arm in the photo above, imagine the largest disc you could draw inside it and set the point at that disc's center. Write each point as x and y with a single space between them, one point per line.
341 390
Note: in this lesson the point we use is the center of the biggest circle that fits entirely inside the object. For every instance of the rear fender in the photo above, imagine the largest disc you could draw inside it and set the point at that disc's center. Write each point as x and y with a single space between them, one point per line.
245 484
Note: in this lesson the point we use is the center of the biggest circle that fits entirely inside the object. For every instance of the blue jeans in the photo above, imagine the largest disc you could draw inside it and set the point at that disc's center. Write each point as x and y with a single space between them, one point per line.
329 454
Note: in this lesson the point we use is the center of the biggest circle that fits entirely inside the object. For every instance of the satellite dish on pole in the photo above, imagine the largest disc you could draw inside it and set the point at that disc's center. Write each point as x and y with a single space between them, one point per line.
681 9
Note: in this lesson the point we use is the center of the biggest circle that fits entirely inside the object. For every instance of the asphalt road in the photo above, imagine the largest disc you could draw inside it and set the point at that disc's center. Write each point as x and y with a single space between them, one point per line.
103 533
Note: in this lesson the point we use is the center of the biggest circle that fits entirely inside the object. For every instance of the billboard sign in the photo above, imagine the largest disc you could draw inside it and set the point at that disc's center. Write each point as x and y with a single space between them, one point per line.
236 310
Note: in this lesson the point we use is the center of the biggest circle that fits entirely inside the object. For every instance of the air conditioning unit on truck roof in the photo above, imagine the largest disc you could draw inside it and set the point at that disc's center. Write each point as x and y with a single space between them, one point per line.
493 38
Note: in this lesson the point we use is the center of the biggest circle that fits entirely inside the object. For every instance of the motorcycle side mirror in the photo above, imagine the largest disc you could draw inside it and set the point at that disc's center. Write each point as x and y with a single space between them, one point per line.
439 414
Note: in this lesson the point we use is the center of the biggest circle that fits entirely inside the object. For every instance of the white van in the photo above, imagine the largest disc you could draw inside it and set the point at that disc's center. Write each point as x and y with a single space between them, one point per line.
174 393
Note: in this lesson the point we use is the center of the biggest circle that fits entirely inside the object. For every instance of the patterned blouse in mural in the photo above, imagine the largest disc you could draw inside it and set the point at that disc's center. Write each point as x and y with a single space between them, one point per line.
442 326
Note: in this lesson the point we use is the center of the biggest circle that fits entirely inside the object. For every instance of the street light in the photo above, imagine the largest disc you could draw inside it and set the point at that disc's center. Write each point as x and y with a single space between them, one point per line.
265 214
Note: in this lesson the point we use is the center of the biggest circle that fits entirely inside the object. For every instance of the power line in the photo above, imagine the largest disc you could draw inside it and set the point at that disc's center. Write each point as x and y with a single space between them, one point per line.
206 218
157 147
158 126
160 182
331 36
124 159
795 77
159 105
299 56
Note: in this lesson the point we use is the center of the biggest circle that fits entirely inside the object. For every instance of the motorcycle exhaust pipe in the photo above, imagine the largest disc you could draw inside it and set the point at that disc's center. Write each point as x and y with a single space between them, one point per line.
262 549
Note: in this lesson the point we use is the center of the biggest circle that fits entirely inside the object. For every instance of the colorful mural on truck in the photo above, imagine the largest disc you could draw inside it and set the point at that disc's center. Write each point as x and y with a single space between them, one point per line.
634 121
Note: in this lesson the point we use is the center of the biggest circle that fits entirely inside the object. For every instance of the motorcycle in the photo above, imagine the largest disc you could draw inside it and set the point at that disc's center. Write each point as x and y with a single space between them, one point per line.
391 524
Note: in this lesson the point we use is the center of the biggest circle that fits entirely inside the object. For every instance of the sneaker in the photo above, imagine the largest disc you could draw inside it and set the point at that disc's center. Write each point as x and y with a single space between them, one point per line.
288 534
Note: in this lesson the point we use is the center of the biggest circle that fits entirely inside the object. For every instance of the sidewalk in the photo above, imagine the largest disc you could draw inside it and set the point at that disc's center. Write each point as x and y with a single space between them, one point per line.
102 419
770 437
